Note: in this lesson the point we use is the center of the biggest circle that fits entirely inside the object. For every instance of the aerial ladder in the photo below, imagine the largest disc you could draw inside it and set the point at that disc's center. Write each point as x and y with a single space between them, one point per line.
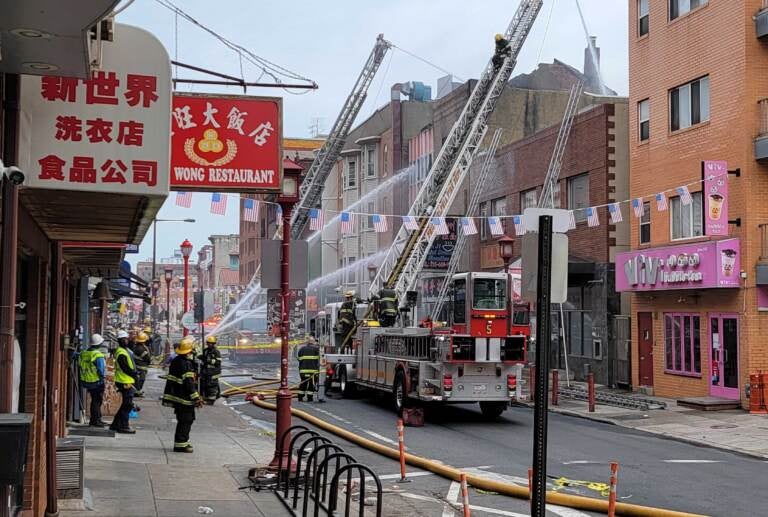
405 258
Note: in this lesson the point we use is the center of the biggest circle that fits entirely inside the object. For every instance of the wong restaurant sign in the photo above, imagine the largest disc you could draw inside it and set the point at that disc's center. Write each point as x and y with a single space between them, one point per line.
692 266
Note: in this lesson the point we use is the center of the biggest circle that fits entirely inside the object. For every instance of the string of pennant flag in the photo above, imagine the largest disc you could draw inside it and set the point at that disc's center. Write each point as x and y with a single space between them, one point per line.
347 219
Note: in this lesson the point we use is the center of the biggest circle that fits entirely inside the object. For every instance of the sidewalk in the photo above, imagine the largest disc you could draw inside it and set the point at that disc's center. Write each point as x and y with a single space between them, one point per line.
731 430
139 476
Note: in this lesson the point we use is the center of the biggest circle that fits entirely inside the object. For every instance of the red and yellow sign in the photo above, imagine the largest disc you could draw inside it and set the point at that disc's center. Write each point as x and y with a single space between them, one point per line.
222 143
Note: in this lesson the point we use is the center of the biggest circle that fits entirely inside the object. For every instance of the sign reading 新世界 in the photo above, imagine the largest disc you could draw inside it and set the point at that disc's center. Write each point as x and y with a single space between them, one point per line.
715 176
222 143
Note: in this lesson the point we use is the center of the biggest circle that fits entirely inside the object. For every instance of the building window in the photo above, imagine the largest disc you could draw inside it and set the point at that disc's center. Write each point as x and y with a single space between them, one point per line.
352 270
678 8
499 208
234 262
682 344
556 195
644 119
483 220
370 165
578 195
642 17
351 174
645 224
369 218
527 199
686 220
689 104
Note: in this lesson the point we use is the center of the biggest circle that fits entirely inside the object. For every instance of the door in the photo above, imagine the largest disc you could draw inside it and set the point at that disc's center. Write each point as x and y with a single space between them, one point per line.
724 362
645 347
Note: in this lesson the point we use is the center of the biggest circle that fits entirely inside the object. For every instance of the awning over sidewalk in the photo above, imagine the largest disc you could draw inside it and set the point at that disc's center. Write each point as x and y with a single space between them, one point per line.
94 259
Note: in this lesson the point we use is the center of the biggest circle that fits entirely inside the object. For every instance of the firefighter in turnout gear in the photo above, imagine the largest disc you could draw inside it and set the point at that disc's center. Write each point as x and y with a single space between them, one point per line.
125 379
502 51
92 364
309 369
143 358
210 370
181 393
347 317
387 307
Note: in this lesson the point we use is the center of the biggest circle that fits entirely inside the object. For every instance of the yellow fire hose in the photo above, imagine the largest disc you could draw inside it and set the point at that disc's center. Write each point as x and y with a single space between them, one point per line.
452 473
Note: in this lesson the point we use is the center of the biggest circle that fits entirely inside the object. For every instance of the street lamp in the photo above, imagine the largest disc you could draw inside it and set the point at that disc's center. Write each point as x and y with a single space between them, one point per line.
186 251
154 248
288 196
507 251
168 278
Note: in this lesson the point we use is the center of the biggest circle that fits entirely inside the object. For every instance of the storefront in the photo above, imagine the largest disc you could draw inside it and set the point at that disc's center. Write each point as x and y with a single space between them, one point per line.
686 309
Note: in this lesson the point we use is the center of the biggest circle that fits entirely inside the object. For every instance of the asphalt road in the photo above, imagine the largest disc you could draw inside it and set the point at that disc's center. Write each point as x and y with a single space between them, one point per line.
653 471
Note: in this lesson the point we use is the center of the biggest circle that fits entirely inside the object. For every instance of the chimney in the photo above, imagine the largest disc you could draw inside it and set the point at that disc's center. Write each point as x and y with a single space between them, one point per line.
591 67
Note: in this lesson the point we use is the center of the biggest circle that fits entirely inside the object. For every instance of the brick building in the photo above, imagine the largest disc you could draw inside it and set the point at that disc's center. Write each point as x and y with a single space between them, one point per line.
595 172
699 324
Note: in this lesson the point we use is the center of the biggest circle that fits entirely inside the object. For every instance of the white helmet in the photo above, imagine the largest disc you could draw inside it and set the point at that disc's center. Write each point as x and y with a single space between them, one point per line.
96 340
122 334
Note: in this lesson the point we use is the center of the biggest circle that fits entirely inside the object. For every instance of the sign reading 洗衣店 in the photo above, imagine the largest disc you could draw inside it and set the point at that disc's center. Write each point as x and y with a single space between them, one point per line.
715 197
108 133
222 143
691 266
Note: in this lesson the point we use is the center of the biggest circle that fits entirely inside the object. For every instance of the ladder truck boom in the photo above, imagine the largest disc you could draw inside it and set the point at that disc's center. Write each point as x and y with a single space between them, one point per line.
406 256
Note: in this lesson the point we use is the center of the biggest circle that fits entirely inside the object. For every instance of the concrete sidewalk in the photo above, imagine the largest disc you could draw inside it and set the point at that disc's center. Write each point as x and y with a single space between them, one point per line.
731 430
139 475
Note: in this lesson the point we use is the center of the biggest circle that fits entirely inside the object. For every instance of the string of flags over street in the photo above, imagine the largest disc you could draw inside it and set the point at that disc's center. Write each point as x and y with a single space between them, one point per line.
347 219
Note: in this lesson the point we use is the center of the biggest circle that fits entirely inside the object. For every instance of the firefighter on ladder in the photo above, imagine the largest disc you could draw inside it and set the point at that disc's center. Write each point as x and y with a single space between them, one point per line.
387 307
347 318
309 369
210 370
503 50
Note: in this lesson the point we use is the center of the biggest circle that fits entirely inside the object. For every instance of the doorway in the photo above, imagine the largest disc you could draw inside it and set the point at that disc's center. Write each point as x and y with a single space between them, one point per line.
724 362
645 348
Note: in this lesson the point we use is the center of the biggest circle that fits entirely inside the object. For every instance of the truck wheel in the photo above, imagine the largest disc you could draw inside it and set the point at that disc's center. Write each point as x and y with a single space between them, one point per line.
492 410
399 396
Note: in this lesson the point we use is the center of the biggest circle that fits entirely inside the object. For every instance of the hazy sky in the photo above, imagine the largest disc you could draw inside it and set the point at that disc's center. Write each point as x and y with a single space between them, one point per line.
329 42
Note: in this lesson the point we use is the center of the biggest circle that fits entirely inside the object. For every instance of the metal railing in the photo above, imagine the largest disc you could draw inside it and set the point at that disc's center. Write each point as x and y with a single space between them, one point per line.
763 111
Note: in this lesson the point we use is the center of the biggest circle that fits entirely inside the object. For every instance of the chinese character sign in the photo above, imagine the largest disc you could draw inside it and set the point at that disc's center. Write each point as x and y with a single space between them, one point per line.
108 133
715 197
226 143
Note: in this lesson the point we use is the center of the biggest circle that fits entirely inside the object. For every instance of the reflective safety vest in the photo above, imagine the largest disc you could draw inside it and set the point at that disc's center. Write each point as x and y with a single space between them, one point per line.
120 376
87 364
309 359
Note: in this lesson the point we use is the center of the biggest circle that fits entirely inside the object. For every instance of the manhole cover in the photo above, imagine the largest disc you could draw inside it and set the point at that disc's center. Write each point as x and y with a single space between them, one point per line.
724 426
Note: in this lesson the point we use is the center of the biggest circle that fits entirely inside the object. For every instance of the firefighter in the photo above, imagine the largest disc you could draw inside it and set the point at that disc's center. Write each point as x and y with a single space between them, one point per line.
309 369
210 370
125 379
181 393
502 51
92 363
143 358
346 316
387 307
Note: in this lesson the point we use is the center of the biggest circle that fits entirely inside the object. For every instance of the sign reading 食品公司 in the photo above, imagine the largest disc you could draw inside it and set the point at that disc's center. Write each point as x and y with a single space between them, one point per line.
105 133
222 143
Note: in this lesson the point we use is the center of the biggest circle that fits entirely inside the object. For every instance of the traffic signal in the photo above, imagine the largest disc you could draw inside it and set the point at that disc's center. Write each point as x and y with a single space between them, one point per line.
199 307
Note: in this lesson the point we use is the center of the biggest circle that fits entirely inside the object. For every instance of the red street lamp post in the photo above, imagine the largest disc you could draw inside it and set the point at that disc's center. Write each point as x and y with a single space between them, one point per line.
287 198
507 250
186 251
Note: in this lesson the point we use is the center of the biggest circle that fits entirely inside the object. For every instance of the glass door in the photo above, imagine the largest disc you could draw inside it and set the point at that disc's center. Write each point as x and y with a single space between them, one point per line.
724 370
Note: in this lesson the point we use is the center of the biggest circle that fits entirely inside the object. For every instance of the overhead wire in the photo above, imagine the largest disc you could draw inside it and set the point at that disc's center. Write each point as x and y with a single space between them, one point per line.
425 60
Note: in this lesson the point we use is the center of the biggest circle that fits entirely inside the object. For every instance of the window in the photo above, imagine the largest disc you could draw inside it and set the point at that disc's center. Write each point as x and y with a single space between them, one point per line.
680 7
369 217
686 220
234 262
459 301
490 294
352 270
351 174
642 17
370 167
483 221
645 224
682 343
556 195
527 199
643 117
578 195
499 208
689 104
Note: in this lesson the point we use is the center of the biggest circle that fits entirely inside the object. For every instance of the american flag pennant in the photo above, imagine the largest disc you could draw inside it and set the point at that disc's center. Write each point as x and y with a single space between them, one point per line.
614 209
347 222
315 219
468 226
379 223
494 223
184 199
638 207
519 225
218 204
250 210
685 195
440 227
592 219
571 220
410 223
661 201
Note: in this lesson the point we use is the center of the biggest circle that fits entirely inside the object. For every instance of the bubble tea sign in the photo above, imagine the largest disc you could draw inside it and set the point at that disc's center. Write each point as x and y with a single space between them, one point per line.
715 174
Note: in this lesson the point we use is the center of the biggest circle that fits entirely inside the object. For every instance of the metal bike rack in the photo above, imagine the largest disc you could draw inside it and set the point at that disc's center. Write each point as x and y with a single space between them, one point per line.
361 469
313 461
299 456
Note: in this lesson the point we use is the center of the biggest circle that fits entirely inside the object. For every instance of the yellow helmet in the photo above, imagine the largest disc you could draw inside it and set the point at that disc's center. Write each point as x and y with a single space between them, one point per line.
211 339
499 37
142 337
148 330
186 345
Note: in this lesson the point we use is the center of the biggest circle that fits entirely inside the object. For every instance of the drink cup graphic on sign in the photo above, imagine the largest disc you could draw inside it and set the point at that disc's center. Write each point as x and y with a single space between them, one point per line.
728 261
715 206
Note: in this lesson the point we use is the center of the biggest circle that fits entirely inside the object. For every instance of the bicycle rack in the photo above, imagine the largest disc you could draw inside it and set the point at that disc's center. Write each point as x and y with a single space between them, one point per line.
300 455
361 469
322 472
288 469
313 460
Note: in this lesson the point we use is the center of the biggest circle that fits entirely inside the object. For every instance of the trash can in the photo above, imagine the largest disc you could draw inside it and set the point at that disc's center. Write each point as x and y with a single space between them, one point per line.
14 437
